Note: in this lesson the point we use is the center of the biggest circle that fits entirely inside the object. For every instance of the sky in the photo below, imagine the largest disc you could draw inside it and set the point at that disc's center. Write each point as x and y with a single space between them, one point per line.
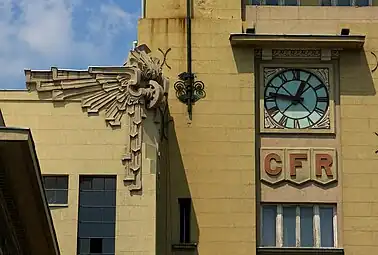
72 34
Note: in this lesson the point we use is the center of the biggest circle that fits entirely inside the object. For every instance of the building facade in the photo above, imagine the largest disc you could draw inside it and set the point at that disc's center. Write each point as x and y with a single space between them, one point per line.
276 156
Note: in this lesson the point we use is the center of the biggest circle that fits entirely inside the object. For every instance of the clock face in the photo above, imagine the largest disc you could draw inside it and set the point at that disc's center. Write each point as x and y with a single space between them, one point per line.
296 99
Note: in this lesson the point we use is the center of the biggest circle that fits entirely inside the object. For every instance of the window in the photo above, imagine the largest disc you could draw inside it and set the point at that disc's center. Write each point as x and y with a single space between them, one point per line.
374 2
97 214
290 2
344 2
272 2
326 3
298 226
255 2
56 189
185 214
361 2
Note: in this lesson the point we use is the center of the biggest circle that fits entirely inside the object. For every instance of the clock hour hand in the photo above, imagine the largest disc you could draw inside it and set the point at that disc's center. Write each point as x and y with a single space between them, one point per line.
300 90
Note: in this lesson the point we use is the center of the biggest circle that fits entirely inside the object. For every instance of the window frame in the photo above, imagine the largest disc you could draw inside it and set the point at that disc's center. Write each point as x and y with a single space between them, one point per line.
56 176
81 239
279 236
185 211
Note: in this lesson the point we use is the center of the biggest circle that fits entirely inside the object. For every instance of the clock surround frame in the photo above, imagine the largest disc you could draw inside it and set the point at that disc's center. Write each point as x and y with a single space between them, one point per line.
304 65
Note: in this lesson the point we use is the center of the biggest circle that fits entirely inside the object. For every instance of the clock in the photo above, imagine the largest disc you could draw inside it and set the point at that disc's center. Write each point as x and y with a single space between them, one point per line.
296 99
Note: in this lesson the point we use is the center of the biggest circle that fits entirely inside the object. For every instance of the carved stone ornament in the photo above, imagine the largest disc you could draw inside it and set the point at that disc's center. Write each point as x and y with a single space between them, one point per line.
286 53
133 88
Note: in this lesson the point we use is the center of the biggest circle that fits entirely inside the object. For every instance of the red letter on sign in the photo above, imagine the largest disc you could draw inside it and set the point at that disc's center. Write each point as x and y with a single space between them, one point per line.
323 161
296 161
267 164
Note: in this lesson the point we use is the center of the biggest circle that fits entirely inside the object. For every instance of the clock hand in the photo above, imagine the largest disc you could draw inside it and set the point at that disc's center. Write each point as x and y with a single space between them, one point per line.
284 97
300 89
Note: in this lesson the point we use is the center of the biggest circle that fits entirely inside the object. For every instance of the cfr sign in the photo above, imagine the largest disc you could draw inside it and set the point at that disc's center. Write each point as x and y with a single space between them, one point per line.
298 165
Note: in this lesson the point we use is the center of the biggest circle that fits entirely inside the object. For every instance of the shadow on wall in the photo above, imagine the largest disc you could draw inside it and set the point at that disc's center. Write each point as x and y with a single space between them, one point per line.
356 75
172 187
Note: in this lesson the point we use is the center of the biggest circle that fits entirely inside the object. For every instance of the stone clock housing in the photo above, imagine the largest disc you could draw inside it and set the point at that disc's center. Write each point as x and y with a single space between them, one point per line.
297 98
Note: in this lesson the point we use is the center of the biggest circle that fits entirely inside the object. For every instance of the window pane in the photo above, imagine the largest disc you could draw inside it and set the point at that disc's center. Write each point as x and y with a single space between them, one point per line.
85 183
326 226
61 196
61 182
92 198
326 2
110 183
362 2
109 198
291 2
50 195
108 245
269 225
271 2
307 239
344 2
109 214
49 182
98 183
87 214
83 245
289 215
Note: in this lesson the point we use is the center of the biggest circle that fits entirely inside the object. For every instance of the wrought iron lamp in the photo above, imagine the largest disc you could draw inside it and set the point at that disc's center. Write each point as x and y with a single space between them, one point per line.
188 90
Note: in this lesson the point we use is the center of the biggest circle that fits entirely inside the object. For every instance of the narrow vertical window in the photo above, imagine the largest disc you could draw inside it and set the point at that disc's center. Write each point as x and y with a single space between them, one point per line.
289 225
97 214
307 227
185 214
326 226
268 235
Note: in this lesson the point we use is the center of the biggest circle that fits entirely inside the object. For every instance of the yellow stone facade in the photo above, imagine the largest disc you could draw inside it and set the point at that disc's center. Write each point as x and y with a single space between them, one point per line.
214 159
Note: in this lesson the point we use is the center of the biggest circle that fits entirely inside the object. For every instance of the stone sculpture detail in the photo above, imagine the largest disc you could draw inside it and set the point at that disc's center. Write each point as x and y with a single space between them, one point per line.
133 88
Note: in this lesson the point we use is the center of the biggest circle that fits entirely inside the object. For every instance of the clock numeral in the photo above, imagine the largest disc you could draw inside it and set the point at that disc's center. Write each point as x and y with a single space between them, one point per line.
282 77
296 74
296 124
322 99
319 86
283 120
273 111
270 99
308 78
310 121
319 111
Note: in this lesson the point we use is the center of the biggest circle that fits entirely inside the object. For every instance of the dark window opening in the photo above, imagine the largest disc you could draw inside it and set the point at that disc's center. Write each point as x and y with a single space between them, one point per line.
96 245
185 211
255 2
56 189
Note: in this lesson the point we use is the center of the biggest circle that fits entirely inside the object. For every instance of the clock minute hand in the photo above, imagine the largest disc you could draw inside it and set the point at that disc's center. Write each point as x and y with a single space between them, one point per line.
282 96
